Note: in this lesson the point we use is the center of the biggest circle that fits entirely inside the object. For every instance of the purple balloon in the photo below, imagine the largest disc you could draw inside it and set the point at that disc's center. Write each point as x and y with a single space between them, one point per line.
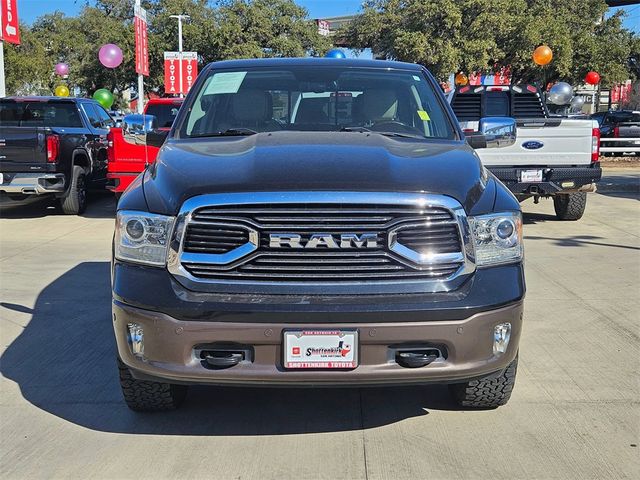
62 69
110 55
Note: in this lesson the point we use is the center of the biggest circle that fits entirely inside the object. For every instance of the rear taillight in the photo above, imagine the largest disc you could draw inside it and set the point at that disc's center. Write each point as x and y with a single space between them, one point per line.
110 153
616 132
595 145
53 147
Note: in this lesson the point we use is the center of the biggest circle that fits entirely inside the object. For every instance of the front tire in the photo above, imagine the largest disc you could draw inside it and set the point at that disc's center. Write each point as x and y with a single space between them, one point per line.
76 200
147 396
491 391
570 206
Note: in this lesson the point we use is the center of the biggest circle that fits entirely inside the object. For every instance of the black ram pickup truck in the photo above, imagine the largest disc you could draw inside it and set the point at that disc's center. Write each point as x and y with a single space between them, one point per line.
52 146
317 222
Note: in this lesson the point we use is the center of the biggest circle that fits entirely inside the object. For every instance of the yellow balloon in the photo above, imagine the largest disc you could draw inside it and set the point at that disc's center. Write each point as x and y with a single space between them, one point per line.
542 55
61 91
461 79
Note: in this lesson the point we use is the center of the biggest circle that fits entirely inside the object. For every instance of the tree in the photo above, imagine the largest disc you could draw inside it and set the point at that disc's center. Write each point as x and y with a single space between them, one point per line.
476 35
234 29
27 69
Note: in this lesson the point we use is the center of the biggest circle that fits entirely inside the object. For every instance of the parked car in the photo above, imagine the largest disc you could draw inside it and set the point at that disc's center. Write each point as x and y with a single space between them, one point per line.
126 161
553 157
314 222
620 124
52 146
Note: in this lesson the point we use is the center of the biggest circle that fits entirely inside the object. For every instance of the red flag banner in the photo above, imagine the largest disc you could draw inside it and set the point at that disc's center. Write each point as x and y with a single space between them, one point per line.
142 48
189 70
10 28
171 73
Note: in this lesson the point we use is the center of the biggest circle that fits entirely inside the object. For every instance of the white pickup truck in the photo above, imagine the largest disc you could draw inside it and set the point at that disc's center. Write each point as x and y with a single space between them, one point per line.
552 157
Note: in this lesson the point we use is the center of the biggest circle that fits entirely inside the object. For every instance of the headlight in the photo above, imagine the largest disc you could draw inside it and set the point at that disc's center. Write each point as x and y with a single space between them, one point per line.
142 237
497 237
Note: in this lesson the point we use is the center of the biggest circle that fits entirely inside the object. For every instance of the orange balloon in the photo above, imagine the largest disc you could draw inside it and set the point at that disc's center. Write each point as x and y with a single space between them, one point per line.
461 79
542 55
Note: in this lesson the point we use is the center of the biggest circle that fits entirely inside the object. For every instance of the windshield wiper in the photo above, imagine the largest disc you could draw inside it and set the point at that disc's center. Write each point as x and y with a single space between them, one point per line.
230 132
354 129
401 135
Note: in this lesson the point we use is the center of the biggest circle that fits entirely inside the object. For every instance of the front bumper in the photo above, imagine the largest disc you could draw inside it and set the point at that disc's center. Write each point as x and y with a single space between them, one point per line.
176 320
554 179
169 346
33 183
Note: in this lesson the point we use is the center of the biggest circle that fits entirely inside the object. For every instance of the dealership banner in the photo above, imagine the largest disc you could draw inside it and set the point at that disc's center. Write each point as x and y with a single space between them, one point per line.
180 72
142 47
10 31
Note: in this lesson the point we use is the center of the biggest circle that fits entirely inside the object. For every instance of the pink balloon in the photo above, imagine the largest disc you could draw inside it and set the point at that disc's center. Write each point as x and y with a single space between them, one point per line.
62 69
110 55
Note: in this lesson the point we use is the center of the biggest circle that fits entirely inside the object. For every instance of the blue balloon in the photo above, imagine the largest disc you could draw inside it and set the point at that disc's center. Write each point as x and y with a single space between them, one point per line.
335 53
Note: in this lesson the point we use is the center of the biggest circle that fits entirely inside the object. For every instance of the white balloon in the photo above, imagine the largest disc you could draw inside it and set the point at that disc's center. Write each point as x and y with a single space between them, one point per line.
561 93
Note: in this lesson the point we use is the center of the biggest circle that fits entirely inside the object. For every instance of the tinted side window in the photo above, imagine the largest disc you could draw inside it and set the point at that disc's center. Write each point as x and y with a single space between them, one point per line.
497 104
105 118
92 115
39 114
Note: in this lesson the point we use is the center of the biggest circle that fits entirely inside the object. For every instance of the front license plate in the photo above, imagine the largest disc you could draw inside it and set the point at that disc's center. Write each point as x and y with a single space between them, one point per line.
321 349
529 176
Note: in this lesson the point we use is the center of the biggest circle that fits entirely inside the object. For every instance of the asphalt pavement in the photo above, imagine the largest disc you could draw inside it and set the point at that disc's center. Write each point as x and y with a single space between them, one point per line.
574 414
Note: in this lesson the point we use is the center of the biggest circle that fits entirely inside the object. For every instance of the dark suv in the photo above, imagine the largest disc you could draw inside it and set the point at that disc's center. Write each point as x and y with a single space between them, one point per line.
52 146
317 222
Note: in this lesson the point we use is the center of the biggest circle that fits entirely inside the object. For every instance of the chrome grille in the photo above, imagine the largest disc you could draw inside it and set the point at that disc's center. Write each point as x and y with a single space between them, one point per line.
325 266
426 239
426 230
211 238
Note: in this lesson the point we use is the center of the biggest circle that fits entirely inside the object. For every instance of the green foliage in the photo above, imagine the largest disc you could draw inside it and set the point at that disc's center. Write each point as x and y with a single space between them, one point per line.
234 29
475 35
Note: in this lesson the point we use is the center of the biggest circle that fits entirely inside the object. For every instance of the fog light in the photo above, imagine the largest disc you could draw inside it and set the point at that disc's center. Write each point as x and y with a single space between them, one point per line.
567 184
135 337
501 336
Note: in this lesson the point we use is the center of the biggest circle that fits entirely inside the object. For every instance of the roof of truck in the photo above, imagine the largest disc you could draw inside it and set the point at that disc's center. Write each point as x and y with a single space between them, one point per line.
36 98
311 61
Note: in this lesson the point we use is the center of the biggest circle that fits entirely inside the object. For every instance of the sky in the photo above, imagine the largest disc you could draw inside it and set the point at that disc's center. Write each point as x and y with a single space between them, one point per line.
29 10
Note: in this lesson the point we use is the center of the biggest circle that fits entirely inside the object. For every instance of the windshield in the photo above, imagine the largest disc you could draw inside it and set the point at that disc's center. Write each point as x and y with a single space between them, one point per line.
164 112
39 114
317 98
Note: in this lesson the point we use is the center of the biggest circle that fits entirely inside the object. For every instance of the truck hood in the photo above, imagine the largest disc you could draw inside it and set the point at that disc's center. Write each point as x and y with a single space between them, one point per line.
303 161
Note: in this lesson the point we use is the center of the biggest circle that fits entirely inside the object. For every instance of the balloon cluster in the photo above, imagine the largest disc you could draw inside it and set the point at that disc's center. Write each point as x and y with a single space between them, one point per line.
110 56
62 70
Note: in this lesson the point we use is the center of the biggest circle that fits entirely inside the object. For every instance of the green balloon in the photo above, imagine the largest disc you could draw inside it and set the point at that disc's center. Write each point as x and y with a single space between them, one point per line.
104 97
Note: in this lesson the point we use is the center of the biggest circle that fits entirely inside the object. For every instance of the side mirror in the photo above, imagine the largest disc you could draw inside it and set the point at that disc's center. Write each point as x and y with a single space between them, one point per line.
136 127
494 132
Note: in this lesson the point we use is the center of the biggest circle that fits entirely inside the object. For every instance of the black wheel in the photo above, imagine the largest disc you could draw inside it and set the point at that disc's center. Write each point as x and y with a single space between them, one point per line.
146 396
76 200
491 391
570 206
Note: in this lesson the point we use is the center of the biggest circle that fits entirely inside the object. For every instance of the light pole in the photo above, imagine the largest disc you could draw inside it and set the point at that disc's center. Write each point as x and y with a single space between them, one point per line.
180 18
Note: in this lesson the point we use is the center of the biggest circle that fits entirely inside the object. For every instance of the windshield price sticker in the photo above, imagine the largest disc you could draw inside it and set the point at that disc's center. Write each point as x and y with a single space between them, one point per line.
225 82
331 349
